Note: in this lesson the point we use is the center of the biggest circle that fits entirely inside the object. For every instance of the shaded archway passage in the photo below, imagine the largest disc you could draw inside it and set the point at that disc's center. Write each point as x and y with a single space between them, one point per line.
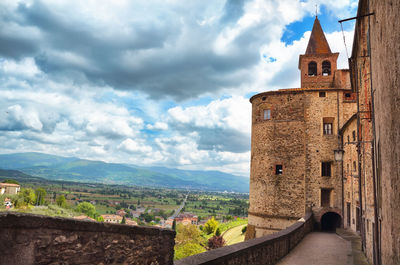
330 221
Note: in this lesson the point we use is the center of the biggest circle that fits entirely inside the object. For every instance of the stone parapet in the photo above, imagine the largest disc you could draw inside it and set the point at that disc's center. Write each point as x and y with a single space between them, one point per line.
33 239
263 250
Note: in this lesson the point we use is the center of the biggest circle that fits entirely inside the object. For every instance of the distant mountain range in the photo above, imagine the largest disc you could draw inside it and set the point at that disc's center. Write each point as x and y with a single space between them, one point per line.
53 167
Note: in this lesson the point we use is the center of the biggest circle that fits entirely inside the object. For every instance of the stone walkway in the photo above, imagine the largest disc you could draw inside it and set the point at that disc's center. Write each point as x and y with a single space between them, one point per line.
319 248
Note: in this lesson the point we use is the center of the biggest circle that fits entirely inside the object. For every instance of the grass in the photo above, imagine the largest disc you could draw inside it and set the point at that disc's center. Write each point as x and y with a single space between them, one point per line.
226 226
234 235
50 210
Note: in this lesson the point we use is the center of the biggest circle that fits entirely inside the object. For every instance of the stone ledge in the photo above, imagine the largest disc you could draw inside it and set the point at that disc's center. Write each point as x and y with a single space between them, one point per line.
33 221
231 254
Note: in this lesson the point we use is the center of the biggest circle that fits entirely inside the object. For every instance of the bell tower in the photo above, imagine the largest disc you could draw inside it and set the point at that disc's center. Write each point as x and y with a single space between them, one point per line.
318 64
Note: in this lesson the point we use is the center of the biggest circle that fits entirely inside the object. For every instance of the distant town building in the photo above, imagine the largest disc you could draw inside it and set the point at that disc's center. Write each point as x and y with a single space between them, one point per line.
186 218
112 218
121 212
84 218
168 223
9 188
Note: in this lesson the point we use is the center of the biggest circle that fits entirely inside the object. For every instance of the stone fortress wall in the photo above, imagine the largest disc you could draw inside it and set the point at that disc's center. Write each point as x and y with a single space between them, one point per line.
28 239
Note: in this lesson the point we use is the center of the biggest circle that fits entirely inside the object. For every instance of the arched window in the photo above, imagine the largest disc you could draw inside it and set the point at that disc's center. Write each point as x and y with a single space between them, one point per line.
312 69
326 68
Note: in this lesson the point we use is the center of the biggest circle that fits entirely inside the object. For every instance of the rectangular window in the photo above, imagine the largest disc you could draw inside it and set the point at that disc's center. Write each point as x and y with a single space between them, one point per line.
278 169
267 114
354 136
322 94
326 197
354 166
327 128
326 169
348 139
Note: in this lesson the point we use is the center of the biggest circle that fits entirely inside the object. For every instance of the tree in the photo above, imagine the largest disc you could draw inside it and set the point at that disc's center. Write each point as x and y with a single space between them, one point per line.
86 208
210 226
216 242
28 196
123 220
40 196
10 181
187 233
61 201
100 218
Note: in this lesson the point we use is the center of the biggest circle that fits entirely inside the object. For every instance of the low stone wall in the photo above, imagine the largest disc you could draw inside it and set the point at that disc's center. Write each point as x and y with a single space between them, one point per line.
33 239
264 250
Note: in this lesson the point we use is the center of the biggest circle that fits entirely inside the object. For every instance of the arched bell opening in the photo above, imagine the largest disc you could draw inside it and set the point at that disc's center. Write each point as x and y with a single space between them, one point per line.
312 69
326 68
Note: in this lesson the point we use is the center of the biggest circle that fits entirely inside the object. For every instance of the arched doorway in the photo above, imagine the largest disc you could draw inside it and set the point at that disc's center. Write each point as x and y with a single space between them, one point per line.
330 221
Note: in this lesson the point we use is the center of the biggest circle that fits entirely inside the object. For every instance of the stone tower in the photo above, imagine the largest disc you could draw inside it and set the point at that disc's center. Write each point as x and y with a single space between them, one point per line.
294 135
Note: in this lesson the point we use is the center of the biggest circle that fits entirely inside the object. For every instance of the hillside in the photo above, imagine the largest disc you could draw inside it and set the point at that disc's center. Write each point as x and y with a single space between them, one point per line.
74 169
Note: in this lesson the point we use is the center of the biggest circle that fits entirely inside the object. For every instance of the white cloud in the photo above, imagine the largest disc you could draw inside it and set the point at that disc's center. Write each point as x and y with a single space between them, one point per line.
132 146
158 126
88 82
25 68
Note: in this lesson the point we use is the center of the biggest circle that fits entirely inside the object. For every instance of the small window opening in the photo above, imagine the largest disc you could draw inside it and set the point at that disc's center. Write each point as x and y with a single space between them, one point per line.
325 197
354 136
348 139
267 114
278 169
312 69
347 95
328 126
322 94
354 166
326 68
264 98
326 169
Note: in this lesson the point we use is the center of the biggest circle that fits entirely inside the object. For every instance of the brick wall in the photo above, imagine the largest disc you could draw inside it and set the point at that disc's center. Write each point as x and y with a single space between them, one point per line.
32 239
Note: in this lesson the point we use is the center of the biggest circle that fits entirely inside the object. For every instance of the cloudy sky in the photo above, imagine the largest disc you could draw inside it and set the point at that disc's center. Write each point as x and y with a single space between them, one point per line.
152 82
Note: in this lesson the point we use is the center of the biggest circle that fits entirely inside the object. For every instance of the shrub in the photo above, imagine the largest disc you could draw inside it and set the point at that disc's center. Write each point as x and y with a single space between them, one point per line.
216 242
244 229
186 250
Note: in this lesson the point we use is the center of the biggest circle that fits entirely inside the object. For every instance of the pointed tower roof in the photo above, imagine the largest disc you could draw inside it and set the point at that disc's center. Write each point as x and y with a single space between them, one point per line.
317 43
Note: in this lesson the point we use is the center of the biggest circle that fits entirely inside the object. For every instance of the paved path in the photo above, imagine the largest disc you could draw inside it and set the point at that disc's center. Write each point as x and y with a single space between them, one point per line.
319 248
177 211
234 235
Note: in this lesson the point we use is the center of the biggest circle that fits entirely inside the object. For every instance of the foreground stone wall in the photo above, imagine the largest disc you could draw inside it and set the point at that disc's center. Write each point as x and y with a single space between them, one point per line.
263 250
32 239
385 62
